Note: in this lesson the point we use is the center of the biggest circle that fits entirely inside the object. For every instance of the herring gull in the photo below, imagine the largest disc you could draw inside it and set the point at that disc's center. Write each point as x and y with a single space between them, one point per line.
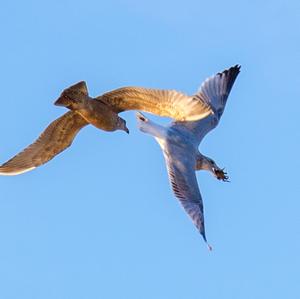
180 140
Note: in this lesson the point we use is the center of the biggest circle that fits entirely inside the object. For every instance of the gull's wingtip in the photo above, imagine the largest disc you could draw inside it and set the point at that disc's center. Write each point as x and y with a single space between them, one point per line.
12 172
205 240
236 68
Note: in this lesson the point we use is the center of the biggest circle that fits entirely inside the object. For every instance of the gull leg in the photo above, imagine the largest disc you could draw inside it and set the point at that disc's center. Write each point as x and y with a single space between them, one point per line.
220 174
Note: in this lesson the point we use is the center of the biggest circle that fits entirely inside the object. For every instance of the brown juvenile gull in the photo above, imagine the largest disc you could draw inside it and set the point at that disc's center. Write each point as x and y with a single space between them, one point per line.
179 142
102 112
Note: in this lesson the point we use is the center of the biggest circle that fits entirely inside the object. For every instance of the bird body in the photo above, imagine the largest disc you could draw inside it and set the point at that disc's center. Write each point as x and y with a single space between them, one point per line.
96 113
93 111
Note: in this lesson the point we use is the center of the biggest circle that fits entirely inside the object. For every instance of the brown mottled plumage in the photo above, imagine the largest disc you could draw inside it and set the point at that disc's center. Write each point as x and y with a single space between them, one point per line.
96 113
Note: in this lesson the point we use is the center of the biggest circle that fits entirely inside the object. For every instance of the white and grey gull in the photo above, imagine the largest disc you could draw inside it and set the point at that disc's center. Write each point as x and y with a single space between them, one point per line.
179 142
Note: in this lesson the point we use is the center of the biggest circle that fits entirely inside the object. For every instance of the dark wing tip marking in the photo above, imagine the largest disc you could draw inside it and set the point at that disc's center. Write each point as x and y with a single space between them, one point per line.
235 69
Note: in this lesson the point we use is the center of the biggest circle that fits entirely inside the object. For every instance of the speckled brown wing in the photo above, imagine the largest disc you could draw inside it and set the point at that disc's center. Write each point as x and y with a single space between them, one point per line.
56 138
170 103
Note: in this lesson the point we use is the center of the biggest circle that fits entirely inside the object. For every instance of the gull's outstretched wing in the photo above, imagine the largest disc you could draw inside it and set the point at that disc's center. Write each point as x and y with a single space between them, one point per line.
170 103
181 171
56 138
214 91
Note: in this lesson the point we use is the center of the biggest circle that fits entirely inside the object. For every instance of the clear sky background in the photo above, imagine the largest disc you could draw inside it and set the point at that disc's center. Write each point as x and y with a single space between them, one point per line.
100 220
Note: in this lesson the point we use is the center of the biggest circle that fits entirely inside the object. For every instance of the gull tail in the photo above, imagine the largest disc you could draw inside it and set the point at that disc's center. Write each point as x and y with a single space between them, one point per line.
73 96
65 101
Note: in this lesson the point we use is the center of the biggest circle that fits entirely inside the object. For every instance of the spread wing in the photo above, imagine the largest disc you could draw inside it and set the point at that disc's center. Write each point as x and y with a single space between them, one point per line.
181 171
56 138
170 103
214 91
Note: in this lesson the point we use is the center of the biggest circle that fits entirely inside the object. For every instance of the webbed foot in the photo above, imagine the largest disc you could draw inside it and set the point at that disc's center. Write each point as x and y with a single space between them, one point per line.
221 174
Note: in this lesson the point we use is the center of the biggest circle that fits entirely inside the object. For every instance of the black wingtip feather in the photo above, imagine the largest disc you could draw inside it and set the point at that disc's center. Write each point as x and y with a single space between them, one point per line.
231 74
233 69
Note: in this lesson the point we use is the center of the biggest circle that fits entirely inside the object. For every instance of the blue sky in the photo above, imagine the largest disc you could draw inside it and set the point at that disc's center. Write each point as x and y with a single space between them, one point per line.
100 221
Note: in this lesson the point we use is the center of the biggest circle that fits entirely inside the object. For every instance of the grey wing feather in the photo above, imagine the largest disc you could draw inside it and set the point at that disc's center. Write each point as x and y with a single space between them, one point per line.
170 103
183 181
56 138
215 90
